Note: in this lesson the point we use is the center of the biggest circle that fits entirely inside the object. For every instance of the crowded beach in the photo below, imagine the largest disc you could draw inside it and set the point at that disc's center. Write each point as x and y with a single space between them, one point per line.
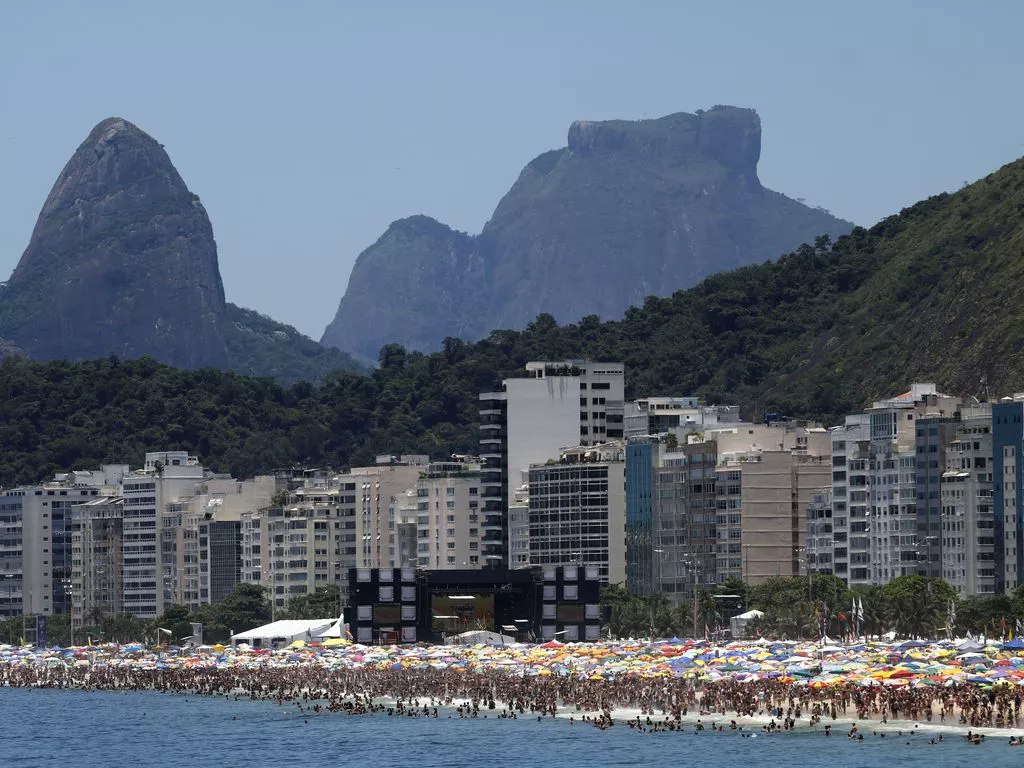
971 688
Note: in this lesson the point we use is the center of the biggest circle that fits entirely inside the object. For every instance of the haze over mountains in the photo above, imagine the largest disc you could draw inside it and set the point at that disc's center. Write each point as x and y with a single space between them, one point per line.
626 210
122 261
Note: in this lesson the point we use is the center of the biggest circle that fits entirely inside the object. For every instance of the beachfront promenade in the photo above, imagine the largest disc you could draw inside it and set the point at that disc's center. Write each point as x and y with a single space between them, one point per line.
789 685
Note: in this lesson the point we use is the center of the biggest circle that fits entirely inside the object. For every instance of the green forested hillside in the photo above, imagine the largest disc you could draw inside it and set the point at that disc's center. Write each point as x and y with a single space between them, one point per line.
932 293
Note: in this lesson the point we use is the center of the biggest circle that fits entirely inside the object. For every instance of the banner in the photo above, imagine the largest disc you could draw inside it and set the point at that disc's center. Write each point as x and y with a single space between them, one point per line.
41 636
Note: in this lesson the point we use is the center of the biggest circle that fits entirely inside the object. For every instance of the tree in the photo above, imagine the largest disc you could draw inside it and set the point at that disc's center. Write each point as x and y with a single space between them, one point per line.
245 607
177 619
322 604
919 604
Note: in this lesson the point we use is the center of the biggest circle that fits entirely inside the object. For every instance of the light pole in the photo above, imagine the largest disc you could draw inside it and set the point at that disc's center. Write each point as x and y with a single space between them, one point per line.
926 545
694 566
659 553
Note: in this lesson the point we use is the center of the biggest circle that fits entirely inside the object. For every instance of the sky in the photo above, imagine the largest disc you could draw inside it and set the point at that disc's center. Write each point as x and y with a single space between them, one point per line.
307 127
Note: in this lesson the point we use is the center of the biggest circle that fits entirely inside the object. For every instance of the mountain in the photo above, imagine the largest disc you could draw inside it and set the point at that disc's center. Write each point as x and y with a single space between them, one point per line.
624 211
122 261
931 294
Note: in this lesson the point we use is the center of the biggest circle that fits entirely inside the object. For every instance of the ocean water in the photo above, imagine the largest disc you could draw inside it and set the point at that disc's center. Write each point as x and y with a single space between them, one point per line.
87 730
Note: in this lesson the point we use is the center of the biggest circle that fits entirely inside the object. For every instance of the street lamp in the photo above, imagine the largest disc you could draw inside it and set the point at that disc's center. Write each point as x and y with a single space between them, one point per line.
659 553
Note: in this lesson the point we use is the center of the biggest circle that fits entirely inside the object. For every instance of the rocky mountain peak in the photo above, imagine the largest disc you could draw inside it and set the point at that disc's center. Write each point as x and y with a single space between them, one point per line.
122 261
628 209
730 136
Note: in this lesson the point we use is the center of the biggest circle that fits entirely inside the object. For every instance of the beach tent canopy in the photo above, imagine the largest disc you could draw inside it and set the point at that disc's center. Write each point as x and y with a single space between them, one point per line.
1017 644
971 644
281 633
754 614
479 637
337 629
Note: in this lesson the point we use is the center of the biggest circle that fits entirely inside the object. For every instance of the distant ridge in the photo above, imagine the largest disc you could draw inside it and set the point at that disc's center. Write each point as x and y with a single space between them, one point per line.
624 211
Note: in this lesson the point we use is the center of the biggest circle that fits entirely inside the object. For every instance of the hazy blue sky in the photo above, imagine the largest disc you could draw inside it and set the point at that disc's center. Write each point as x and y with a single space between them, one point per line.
306 127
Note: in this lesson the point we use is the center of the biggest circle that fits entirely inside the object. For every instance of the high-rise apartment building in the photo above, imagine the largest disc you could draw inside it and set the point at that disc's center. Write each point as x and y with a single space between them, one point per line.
642 458
97 543
875 484
577 510
326 526
968 544
166 478
36 553
820 533
1008 490
448 516
530 419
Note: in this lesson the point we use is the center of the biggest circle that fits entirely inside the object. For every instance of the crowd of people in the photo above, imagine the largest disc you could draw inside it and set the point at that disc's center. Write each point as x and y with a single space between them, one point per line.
414 692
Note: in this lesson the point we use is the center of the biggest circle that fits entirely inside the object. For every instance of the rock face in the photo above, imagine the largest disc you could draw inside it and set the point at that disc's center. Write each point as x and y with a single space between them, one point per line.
122 261
426 270
626 210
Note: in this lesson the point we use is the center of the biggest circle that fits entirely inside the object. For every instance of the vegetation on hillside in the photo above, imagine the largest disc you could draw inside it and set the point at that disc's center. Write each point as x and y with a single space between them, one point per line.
260 346
931 293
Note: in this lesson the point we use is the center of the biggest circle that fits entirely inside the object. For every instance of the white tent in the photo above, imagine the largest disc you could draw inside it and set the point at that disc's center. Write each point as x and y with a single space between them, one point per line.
754 614
281 633
337 629
738 624
479 637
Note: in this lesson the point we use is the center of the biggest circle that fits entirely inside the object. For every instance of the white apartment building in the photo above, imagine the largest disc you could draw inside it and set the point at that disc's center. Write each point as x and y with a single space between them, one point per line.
36 553
679 416
166 478
874 486
327 527
448 516
577 509
554 405
201 538
968 543
379 491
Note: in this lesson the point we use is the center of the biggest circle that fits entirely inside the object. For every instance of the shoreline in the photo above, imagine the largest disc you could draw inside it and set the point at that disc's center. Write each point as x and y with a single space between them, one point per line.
750 725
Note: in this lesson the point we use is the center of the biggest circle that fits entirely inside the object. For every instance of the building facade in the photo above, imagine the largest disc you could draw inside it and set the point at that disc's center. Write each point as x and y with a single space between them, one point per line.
36 552
448 516
641 453
578 511
1007 487
876 481
530 419
968 543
